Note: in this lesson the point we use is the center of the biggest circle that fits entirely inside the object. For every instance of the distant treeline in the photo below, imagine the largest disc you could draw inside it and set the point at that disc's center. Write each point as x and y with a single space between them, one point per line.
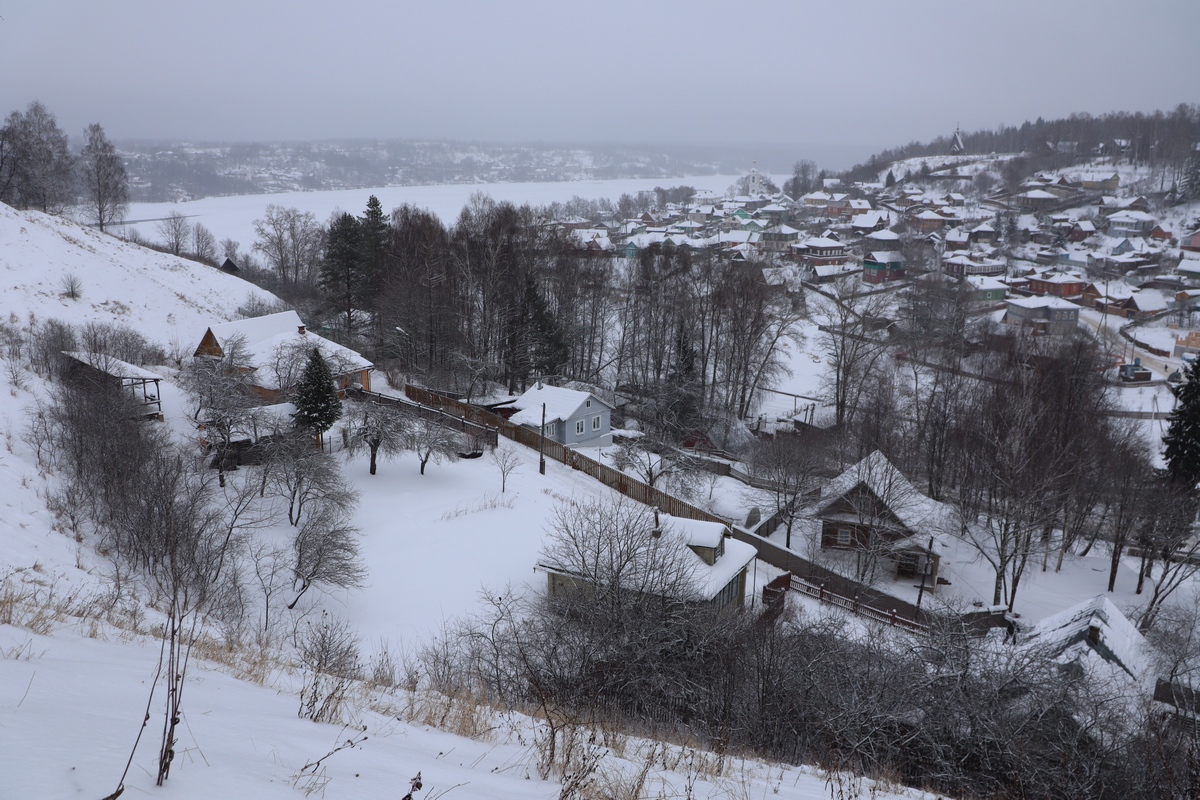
1162 140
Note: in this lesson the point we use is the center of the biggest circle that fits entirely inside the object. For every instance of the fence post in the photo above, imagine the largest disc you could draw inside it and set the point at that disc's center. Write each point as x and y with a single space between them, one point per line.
893 617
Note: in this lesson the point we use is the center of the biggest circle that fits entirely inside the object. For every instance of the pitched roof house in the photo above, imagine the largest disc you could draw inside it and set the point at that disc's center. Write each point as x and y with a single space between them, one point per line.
277 347
573 418
872 506
716 569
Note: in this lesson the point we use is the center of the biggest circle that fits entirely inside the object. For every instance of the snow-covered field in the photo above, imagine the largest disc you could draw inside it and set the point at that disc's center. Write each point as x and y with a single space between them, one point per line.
233 217
71 704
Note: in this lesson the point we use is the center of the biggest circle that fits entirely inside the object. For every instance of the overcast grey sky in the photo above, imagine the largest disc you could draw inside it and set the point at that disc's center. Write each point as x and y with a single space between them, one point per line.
852 73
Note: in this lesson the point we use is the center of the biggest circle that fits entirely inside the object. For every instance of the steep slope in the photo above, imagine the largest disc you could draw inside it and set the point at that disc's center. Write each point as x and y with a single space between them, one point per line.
164 297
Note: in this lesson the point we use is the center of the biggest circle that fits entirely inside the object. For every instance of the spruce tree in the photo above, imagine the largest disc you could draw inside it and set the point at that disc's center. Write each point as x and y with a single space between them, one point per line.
1183 433
373 231
342 274
316 399
1189 188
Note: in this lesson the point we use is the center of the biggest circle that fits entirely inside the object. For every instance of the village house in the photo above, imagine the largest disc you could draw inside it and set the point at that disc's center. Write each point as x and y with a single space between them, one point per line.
778 238
573 418
1042 315
881 266
821 251
276 347
1190 241
717 571
1057 284
1130 223
872 508
971 263
986 289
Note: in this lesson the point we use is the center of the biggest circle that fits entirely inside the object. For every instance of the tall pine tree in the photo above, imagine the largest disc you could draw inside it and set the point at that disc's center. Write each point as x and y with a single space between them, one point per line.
372 239
1183 433
342 274
316 399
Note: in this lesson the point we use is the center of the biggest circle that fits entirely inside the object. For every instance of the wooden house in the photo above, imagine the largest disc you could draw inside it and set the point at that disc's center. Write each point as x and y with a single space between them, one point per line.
1042 315
276 348
1057 284
1190 241
881 266
715 564
572 418
873 507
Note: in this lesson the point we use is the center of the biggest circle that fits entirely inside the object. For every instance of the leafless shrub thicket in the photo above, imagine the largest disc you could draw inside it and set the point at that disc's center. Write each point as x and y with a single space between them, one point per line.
949 711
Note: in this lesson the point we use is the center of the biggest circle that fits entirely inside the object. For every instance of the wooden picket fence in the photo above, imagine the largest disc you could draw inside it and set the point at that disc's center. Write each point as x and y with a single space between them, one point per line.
614 479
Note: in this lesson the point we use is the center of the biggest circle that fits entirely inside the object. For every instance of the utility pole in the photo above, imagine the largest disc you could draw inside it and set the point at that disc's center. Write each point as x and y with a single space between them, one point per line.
542 444
925 572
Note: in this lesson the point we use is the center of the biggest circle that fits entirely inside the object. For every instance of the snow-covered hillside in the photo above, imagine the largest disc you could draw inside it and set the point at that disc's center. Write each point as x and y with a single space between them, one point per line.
164 297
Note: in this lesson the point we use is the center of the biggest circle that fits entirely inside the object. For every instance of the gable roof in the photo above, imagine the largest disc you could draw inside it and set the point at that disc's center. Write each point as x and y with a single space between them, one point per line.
561 404
1094 631
266 335
918 513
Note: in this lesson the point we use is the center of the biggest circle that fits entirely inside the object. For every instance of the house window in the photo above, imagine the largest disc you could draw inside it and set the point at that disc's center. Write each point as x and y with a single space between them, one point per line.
843 537
595 423
589 403
579 427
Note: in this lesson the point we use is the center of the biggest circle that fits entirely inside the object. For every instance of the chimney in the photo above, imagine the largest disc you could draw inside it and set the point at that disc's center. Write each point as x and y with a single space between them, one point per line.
301 330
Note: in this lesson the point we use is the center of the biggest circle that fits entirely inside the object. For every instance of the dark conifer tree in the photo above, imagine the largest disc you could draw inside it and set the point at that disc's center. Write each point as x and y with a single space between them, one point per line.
1183 434
372 240
316 399
342 274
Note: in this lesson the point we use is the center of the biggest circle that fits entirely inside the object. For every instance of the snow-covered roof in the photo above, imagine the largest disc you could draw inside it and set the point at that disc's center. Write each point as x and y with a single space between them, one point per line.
273 333
985 283
561 404
1149 301
918 513
885 235
885 257
1094 629
821 241
1042 302
1131 216
113 366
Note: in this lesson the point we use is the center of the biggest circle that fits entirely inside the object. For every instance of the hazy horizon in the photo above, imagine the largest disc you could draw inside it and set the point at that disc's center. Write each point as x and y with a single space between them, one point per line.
779 75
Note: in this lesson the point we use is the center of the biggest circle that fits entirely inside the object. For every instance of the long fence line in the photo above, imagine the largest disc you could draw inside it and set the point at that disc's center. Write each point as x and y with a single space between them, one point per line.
481 433
614 479
824 595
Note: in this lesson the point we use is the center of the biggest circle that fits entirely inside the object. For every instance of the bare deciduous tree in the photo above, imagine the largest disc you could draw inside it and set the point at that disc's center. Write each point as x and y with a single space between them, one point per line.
378 430
290 240
507 460
174 232
852 344
204 244
326 550
432 442
103 178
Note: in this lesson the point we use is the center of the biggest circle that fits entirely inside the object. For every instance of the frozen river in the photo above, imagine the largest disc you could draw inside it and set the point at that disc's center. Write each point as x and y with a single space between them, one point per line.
233 217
